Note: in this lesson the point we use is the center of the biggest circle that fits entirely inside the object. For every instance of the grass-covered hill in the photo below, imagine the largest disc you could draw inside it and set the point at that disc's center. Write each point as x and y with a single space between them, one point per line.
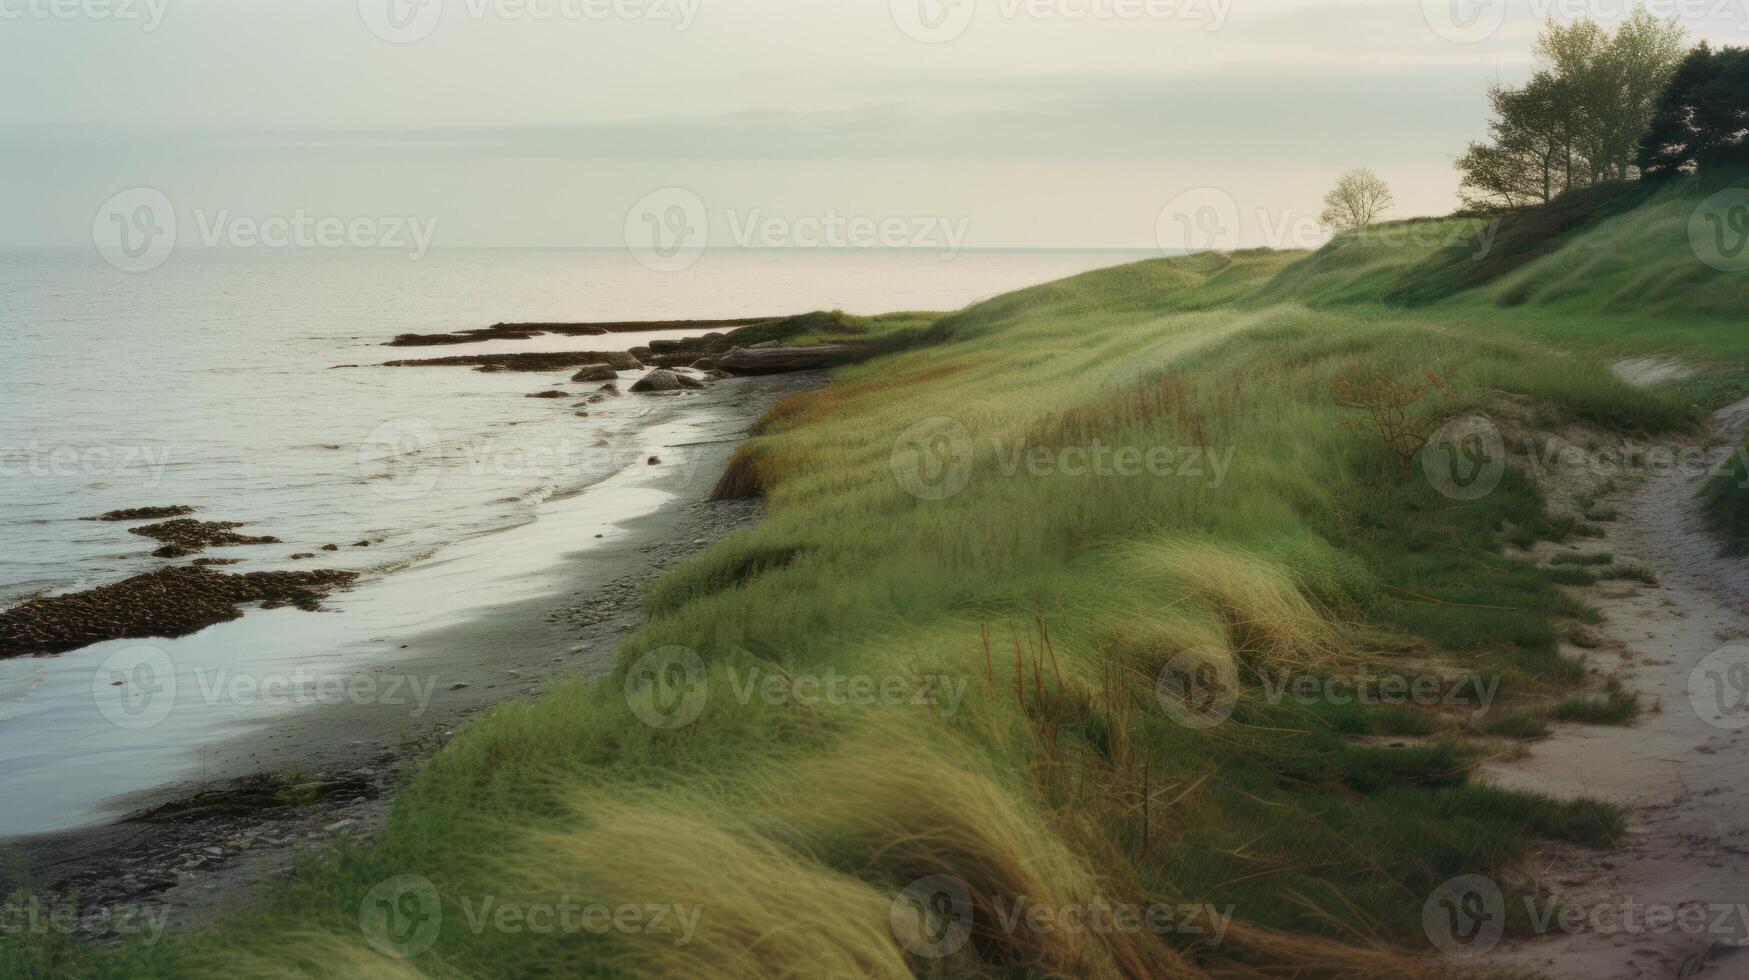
1014 622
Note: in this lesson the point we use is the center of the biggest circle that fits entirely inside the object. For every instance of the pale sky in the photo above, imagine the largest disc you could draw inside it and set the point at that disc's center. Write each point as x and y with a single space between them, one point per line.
1037 123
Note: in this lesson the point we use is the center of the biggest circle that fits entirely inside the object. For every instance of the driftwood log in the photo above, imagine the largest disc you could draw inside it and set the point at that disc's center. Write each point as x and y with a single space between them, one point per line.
775 360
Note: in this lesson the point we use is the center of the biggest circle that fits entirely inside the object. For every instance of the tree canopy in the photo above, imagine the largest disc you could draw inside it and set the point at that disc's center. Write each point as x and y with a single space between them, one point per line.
1359 198
1702 120
1579 118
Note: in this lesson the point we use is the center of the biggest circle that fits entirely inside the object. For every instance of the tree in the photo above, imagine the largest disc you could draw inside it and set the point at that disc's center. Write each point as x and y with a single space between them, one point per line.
1579 118
1702 119
1357 200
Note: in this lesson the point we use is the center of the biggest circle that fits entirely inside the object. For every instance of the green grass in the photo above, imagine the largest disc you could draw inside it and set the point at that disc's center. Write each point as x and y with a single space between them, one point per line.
1050 600
1725 497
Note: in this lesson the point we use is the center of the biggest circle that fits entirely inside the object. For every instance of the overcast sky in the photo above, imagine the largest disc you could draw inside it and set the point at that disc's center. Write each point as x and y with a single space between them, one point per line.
544 122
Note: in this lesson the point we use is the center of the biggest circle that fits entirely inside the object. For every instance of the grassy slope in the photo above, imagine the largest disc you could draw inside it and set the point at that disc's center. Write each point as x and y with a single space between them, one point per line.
794 826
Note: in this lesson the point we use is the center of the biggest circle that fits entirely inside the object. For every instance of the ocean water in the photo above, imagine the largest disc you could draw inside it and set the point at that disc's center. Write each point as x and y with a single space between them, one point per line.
210 382
214 382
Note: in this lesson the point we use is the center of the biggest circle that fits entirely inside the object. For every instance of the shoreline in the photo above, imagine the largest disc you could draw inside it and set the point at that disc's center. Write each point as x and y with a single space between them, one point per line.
346 759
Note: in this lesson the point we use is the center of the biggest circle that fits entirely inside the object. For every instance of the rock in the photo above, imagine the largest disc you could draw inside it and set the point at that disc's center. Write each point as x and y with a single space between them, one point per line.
458 686
550 394
185 536
300 556
609 388
338 825
144 514
361 544
492 369
718 374
655 461
704 364
581 415
660 379
330 547
595 372
688 381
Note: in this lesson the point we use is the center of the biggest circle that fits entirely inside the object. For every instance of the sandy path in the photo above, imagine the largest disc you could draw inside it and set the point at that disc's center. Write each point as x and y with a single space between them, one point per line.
1680 770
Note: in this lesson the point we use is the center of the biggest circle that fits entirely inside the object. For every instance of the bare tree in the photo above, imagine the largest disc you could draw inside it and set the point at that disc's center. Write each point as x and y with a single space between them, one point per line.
1358 199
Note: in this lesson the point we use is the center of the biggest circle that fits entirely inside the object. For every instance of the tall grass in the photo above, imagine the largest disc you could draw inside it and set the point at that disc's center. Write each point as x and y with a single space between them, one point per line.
1037 766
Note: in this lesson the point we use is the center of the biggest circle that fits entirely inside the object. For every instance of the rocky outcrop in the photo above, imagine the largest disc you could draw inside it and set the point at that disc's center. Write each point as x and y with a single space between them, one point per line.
775 360
144 514
170 602
523 331
186 536
551 361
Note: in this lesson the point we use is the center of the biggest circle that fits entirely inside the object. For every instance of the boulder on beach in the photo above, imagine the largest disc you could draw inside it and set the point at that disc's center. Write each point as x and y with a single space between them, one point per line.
704 364
610 388
550 394
660 379
595 372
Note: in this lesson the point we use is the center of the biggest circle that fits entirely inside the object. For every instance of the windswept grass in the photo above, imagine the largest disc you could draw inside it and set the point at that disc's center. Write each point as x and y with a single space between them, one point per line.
941 528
